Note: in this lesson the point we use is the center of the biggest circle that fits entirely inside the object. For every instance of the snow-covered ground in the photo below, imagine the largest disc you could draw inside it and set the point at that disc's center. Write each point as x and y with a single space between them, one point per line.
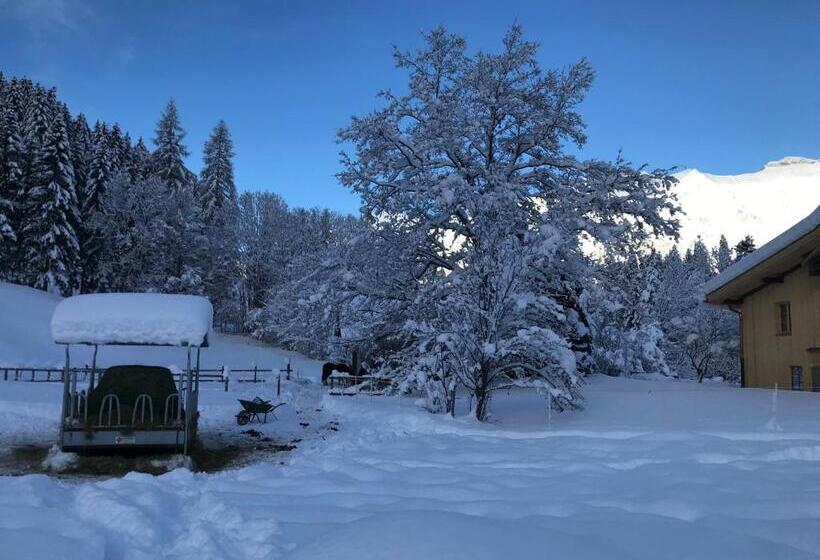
649 470
761 204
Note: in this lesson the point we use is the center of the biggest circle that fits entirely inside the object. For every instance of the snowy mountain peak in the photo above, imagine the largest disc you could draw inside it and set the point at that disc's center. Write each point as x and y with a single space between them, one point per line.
791 160
761 204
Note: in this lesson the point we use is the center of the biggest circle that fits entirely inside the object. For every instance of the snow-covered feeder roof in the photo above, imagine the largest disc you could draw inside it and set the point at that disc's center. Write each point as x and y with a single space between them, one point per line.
149 319
769 263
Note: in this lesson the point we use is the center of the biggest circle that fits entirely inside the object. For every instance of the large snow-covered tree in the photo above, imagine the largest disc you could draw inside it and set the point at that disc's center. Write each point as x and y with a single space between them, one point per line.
472 163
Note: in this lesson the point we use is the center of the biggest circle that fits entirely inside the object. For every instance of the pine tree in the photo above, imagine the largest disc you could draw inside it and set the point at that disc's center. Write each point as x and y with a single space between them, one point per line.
220 212
82 153
14 160
216 185
9 184
139 161
744 247
701 267
38 120
53 248
119 148
100 172
168 164
723 255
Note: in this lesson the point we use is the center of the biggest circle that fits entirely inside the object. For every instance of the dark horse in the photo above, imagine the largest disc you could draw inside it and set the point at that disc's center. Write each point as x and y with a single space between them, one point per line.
330 367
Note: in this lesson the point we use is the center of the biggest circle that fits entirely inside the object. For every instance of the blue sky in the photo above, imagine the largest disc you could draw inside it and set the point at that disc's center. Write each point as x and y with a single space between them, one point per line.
721 86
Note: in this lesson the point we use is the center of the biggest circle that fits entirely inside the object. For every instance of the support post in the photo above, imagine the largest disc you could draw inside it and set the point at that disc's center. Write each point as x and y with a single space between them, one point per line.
278 385
65 392
92 381
357 363
188 414
198 349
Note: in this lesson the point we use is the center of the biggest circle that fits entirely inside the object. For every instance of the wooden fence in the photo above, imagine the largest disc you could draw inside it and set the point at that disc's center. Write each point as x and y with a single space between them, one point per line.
55 375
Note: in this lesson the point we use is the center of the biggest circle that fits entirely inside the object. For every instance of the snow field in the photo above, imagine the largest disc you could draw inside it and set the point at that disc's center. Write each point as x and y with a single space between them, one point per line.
650 470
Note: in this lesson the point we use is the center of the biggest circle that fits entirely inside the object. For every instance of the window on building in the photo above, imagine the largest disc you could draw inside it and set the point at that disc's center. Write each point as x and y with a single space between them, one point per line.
784 318
797 378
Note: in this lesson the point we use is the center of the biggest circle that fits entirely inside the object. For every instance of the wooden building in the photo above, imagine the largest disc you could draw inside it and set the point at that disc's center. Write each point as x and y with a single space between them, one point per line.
776 292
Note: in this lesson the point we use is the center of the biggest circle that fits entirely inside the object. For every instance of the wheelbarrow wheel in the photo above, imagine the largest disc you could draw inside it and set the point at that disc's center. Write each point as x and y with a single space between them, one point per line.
243 417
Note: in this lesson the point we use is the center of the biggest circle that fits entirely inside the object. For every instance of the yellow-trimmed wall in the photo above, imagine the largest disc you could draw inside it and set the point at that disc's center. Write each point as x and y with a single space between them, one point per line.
767 356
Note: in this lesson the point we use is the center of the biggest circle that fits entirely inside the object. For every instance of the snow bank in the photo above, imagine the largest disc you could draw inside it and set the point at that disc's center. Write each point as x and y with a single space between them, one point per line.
162 319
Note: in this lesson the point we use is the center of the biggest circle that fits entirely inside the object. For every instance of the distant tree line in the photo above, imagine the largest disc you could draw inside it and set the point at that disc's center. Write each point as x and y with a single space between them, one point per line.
87 209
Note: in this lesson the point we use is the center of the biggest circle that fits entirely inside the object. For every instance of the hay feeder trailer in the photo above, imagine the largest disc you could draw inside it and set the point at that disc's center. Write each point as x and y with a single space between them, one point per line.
132 406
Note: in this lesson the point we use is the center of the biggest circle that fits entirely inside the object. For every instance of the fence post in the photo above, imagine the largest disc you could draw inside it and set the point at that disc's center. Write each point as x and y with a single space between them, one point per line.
5 374
278 384
32 374
254 373
549 409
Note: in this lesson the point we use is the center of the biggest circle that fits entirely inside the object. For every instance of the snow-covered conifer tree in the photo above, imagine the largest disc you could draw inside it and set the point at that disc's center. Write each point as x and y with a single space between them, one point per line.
744 247
220 213
139 161
170 152
52 251
10 184
216 184
723 255
131 219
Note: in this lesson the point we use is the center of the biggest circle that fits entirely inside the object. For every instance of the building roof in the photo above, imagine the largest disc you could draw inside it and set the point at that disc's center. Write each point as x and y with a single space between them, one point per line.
149 319
767 264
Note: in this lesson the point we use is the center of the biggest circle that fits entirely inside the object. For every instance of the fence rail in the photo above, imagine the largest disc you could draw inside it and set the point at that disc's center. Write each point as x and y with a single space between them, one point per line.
55 375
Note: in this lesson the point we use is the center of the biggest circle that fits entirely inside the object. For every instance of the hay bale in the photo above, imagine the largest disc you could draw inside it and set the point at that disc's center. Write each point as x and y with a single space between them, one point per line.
128 382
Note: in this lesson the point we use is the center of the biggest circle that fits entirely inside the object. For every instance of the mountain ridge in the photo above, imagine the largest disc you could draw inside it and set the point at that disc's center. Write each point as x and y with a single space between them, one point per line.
762 203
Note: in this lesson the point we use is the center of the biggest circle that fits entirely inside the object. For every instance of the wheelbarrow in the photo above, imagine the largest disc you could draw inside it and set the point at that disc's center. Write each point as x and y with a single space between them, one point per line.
251 410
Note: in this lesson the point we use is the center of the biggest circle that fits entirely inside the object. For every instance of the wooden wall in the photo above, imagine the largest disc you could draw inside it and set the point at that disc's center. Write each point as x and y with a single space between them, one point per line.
768 357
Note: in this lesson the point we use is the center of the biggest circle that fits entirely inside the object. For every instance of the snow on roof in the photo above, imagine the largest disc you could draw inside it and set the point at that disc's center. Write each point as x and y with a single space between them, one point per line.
747 263
157 319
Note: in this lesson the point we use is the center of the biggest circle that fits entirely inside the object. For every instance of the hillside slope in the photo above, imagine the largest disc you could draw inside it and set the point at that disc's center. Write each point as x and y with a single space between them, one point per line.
761 204
25 340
